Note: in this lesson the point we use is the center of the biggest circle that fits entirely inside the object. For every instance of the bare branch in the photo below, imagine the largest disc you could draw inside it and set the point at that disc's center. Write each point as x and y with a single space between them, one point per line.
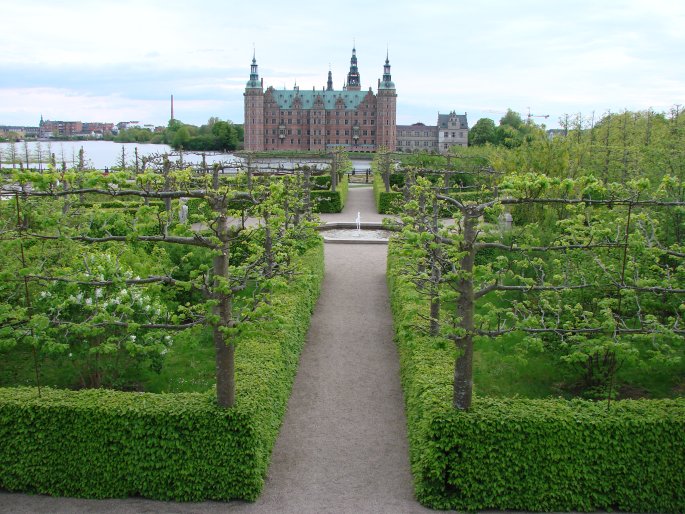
196 240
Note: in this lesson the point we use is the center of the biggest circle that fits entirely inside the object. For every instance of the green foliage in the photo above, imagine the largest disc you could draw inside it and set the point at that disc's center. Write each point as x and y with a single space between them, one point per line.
484 131
555 455
326 201
344 188
134 135
99 443
386 203
533 455
215 135
322 181
329 201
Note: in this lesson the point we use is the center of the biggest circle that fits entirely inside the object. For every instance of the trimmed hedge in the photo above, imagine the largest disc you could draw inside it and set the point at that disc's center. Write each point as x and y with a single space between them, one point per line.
329 201
386 203
100 443
531 455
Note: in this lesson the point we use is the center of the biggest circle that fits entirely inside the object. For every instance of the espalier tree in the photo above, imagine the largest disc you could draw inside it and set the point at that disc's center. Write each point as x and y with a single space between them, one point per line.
89 272
592 274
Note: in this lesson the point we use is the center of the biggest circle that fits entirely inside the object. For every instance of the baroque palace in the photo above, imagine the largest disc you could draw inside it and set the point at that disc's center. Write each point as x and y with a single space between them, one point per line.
294 119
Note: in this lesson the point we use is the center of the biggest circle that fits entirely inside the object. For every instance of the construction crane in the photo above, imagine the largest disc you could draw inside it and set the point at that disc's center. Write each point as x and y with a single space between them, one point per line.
536 115
529 116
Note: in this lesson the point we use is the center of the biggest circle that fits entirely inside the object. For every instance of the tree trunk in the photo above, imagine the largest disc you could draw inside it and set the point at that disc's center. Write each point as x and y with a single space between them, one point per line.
463 366
436 274
334 172
249 172
225 351
307 194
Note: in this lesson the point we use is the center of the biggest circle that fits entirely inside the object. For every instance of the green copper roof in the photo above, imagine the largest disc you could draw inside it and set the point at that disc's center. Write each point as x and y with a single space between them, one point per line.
285 97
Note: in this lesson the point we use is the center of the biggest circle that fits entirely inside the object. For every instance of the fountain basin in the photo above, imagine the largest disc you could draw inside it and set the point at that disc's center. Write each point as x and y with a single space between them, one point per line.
348 233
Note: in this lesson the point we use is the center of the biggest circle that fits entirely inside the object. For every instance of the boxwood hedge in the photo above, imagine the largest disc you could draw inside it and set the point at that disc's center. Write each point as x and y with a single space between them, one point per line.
531 455
100 443
386 203
329 201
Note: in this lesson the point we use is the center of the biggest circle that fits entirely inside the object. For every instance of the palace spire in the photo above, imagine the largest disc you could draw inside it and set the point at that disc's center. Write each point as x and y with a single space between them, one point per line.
353 79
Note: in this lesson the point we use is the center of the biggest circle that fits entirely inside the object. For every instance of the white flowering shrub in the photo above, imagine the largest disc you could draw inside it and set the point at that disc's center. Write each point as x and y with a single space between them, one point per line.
99 322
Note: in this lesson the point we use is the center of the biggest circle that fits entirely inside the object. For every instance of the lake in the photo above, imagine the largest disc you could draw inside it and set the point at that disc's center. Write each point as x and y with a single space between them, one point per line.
105 154
98 154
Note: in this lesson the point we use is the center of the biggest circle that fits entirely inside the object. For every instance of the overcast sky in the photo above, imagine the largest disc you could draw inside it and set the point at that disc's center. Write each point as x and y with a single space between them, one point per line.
102 60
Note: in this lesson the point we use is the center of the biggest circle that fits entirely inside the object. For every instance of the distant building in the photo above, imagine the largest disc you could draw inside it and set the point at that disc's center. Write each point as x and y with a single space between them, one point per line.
451 130
294 119
18 131
125 125
97 128
50 128
417 137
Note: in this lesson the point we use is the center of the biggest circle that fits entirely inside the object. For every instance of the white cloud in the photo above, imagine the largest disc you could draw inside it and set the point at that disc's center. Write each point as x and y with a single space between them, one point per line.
128 56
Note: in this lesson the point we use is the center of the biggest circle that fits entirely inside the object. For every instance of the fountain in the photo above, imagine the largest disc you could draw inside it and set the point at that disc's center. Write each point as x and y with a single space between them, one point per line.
357 232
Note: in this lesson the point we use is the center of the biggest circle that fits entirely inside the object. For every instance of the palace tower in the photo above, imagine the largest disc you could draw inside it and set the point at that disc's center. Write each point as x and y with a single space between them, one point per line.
294 119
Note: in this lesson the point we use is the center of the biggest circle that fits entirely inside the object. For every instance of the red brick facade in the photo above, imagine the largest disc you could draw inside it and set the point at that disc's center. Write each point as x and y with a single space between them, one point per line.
360 121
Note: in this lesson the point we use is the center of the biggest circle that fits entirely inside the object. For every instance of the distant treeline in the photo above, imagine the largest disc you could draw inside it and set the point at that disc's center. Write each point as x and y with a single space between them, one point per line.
216 135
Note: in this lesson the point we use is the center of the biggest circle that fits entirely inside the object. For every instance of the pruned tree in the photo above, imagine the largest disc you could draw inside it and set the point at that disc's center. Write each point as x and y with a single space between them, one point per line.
594 274
105 302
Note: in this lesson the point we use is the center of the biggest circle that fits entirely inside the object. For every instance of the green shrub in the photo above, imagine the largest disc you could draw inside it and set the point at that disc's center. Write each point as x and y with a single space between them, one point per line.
397 180
533 455
199 207
322 181
386 203
100 443
326 201
329 201
344 187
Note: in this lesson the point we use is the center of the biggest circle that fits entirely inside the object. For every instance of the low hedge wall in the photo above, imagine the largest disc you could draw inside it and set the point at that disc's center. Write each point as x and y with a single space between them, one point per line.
329 201
100 443
386 203
530 455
